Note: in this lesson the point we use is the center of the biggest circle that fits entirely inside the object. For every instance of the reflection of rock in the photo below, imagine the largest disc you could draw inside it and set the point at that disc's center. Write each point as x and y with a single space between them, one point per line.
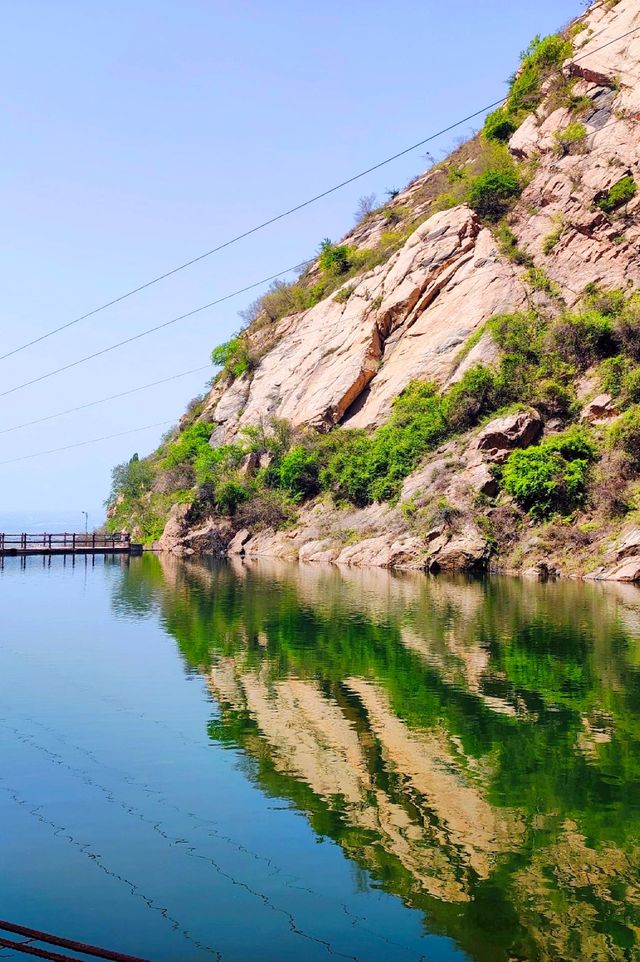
429 806
310 738
559 891
438 783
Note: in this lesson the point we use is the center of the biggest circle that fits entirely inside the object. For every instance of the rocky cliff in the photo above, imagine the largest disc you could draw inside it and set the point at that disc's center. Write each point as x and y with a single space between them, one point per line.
456 383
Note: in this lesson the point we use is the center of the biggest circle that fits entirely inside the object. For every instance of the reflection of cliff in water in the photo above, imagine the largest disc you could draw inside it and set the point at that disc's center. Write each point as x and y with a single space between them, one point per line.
474 745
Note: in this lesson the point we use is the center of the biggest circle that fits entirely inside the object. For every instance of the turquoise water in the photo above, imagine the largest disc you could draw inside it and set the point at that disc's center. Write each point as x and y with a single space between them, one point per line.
273 762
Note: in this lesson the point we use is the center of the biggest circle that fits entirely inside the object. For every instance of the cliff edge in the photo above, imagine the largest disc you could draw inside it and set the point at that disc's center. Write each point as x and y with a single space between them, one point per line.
456 383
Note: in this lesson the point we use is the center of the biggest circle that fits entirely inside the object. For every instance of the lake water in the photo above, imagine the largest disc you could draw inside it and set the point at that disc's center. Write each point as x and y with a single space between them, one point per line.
262 762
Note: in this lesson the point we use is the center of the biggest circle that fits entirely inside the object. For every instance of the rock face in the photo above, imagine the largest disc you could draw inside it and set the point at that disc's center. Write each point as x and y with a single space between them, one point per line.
623 561
563 191
345 360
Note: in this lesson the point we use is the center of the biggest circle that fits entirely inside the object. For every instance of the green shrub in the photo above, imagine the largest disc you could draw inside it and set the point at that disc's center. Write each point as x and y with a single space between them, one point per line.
625 434
581 339
553 397
551 477
229 494
553 238
187 445
334 258
492 193
619 195
363 468
298 473
131 479
508 243
542 59
473 396
210 463
499 125
547 52
540 281
234 356
631 386
525 90
612 374
627 327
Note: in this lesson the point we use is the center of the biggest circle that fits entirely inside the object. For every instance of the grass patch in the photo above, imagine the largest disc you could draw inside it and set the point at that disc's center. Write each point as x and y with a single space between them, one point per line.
619 196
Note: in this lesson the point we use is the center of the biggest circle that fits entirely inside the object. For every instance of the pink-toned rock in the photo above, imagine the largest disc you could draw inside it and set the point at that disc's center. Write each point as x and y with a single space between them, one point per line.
236 546
601 408
464 551
380 552
395 326
502 435
174 530
323 550
608 52
249 465
479 478
628 571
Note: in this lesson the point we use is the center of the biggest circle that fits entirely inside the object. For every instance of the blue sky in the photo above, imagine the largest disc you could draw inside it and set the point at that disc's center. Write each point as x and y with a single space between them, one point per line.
137 135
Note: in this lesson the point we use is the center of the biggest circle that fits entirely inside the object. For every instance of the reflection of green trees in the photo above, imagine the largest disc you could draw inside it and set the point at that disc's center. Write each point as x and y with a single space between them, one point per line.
535 685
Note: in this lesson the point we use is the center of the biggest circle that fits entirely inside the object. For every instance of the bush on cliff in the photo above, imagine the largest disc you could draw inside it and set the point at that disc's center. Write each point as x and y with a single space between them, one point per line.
363 468
625 434
298 473
551 477
619 196
234 356
542 59
131 479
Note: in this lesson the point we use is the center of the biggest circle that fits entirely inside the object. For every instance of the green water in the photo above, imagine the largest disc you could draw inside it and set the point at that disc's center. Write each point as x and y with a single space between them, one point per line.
268 762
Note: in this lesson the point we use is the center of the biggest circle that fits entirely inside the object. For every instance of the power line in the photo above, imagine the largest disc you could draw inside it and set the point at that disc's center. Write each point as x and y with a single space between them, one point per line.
188 314
111 397
150 330
182 317
81 444
248 233
283 214
249 287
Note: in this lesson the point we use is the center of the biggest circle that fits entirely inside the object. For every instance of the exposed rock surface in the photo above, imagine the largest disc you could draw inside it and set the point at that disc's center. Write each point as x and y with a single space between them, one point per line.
345 360
395 326
502 435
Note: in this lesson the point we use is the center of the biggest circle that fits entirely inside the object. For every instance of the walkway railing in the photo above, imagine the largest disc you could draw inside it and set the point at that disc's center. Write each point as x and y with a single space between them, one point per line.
66 541
30 937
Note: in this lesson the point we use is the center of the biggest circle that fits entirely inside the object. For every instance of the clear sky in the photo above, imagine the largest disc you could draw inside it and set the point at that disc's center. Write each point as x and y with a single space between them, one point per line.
135 135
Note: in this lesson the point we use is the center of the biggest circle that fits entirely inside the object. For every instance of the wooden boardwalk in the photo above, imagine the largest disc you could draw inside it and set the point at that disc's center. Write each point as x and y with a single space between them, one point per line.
66 543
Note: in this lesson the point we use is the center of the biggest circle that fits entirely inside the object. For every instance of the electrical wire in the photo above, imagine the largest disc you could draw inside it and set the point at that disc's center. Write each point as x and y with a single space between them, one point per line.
188 314
149 330
282 214
81 444
111 397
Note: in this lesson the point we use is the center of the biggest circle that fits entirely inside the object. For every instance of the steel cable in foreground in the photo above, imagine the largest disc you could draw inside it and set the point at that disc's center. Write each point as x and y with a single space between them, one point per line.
81 949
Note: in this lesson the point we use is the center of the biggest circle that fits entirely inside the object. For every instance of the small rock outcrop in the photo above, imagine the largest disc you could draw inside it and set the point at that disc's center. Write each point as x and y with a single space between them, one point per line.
502 435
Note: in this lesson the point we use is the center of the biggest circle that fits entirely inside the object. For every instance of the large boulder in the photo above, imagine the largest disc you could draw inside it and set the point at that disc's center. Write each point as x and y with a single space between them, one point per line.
466 550
503 435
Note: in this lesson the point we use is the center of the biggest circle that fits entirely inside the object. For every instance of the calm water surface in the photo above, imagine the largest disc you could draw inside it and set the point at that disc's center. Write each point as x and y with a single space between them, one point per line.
262 762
